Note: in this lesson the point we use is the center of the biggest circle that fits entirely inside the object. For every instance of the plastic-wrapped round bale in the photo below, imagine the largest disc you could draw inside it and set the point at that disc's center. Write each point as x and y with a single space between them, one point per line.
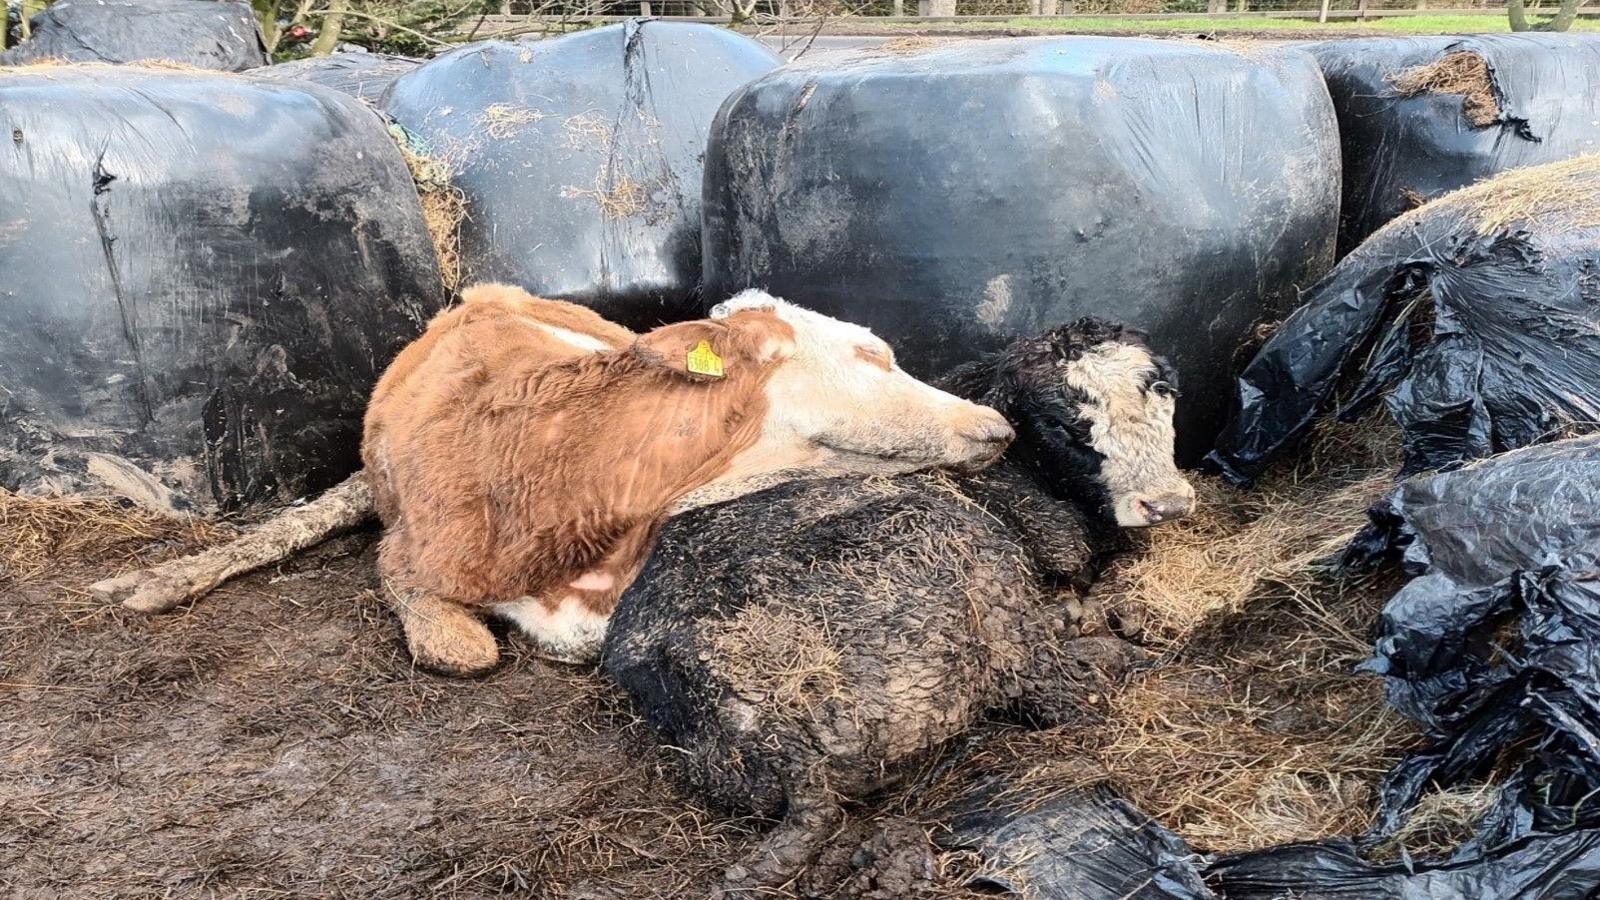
207 34
1475 318
365 76
961 196
1419 117
579 158
204 276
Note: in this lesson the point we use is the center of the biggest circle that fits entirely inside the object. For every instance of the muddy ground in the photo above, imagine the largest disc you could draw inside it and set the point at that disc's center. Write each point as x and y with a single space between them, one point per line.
274 740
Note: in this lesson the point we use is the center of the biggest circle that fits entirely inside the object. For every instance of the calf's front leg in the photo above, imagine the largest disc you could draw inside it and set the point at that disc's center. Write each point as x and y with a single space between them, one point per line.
443 636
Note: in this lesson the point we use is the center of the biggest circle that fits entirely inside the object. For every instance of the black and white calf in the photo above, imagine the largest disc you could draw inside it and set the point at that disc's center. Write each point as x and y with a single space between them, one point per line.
809 645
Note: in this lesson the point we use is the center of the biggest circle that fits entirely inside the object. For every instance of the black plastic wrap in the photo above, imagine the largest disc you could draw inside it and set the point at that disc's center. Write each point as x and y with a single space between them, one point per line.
1086 845
365 76
1475 318
958 197
1092 845
1494 649
580 157
1508 542
1404 143
1549 867
204 276
208 34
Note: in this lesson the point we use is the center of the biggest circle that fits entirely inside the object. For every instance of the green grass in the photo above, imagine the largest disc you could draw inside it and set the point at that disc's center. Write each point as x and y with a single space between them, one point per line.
1440 24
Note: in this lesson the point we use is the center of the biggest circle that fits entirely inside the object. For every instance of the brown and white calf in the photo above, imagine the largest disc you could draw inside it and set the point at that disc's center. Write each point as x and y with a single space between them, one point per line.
522 454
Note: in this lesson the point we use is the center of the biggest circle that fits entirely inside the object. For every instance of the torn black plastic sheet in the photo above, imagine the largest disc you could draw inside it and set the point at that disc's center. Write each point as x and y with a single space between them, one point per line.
1544 867
1512 540
1476 319
1401 146
1086 845
1092 845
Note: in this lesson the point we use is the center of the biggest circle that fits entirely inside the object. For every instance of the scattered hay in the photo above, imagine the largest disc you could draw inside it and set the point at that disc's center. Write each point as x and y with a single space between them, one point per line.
1253 729
502 120
908 46
52 65
1282 532
1287 747
778 658
36 532
587 128
172 65
1555 198
1461 72
1441 822
622 198
1256 732
444 206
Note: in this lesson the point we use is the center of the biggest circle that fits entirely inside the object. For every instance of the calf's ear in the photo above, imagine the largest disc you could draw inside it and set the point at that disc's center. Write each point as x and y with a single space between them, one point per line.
700 351
709 349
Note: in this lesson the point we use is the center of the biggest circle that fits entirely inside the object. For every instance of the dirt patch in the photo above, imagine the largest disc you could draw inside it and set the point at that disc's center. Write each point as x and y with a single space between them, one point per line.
274 740
1461 72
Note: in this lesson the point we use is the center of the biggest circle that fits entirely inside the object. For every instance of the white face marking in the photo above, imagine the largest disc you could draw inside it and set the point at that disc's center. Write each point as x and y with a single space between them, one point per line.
838 405
568 336
1131 427
573 633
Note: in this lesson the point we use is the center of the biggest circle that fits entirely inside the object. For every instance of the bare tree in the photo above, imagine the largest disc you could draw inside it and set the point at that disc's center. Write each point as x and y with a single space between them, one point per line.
332 24
1564 17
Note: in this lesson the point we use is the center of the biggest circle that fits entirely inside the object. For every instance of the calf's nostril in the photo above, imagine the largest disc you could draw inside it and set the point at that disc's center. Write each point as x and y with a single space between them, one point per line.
998 433
995 431
1164 509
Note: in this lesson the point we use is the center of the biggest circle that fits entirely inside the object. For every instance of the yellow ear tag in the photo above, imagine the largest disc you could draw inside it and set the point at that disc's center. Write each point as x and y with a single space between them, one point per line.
705 361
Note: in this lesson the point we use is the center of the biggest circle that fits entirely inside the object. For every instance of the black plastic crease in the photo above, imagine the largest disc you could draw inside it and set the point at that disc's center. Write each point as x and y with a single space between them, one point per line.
1478 336
204 276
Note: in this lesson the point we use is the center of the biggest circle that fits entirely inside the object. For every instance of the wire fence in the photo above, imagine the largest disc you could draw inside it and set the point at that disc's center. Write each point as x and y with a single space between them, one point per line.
964 8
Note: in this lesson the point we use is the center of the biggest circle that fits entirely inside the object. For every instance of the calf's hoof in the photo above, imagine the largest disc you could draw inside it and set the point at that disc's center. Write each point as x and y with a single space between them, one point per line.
451 642
146 591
